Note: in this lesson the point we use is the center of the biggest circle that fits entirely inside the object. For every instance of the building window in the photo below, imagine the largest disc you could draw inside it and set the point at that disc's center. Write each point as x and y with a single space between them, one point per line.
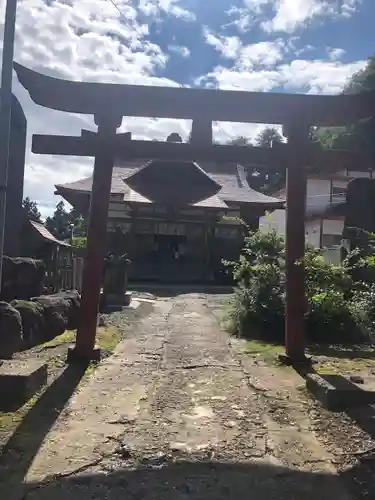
331 240
339 192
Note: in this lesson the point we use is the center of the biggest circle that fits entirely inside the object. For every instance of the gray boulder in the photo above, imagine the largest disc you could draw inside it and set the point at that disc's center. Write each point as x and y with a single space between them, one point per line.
33 323
55 314
22 278
10 331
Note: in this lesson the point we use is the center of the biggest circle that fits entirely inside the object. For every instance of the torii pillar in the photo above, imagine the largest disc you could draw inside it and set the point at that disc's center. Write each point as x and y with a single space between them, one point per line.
85 349
295 300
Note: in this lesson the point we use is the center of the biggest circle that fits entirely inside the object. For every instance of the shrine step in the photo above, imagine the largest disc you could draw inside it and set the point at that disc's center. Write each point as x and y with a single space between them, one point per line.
338 393
19 381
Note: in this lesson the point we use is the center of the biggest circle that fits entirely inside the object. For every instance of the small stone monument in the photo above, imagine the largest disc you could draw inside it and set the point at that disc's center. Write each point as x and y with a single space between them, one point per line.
115 293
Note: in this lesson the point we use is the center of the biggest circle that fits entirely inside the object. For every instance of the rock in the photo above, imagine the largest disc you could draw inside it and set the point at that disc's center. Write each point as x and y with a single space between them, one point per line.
10 330
46 316
22 278
74 300
55 313
101 321
32 316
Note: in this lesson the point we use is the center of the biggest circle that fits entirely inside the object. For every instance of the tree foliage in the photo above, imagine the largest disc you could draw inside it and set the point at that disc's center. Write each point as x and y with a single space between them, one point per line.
359 135
64 223
31 210
267 137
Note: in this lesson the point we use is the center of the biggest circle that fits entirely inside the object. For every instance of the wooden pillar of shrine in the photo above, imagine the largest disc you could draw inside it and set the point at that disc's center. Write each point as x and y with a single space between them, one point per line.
85 349
298 138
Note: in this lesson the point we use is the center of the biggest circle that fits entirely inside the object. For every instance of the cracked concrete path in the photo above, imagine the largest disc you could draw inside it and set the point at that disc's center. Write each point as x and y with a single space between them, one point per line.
177 413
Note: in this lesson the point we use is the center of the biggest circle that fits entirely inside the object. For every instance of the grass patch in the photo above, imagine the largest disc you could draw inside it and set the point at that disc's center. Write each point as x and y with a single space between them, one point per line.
9 420
107 338
342 359
329 359
267 351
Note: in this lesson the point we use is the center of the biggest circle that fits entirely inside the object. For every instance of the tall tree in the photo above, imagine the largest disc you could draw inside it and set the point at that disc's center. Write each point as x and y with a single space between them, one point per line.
31 210
59 223
267 137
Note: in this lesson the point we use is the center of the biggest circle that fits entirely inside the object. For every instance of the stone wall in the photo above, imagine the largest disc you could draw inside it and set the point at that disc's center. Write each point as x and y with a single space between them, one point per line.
22 278
25 323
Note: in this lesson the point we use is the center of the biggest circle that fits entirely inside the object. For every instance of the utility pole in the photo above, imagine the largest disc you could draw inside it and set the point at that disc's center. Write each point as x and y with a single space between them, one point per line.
5 114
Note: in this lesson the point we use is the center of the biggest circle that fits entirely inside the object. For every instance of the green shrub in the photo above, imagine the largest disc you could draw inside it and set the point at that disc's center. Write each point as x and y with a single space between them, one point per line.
79 241
330 319
258 309
320 276
340 310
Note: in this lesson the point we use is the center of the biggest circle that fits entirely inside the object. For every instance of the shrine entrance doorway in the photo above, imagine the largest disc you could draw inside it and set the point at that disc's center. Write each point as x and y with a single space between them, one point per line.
170 246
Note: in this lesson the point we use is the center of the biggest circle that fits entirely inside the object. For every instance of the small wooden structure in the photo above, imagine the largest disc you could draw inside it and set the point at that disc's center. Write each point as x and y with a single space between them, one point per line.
109 103
39 243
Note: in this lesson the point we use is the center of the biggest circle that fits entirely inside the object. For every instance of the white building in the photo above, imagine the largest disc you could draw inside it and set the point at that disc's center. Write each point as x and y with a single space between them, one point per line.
325 208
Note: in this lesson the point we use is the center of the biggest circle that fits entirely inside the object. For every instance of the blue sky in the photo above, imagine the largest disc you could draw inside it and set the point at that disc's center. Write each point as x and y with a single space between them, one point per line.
309 46
352 33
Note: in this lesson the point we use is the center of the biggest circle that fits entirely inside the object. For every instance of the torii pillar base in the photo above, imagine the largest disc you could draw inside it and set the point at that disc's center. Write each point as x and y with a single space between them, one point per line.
74 356
85 349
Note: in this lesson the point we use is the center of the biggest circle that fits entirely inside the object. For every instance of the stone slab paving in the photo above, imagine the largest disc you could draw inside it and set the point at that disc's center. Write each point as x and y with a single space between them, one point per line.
177 414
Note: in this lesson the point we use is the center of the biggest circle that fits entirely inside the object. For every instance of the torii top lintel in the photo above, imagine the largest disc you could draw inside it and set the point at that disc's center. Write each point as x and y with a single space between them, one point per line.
187 103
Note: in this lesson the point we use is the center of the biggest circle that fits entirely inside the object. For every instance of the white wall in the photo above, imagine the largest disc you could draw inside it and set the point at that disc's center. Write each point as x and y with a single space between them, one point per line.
318 197
331 226
275 220
318 193
312 233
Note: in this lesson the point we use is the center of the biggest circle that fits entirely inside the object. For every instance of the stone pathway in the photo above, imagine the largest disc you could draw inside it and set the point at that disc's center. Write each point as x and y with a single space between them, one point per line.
176 413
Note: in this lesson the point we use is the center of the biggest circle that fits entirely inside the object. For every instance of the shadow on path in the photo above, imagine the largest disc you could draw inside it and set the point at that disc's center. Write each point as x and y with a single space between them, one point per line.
207 480
20 450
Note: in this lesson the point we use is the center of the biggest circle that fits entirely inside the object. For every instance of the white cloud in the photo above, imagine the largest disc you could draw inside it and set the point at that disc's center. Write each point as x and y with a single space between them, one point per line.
262 53
321 77
289 15
335 54
228 46
179 50
318 77
293 13
171 7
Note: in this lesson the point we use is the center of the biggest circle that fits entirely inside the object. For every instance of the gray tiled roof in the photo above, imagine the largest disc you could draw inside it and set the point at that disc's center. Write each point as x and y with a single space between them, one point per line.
231 177
45 234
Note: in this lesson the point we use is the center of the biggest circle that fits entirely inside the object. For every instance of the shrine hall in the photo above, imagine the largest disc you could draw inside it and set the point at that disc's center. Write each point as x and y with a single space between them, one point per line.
199 224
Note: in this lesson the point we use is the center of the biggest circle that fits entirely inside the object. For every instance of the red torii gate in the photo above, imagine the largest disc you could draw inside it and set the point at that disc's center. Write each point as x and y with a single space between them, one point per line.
109 103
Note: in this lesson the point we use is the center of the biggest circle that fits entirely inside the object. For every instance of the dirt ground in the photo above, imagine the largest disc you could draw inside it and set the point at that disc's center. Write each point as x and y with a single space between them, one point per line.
179 411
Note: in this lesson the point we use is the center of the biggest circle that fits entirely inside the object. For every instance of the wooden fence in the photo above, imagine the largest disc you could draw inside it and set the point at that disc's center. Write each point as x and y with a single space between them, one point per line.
67 276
